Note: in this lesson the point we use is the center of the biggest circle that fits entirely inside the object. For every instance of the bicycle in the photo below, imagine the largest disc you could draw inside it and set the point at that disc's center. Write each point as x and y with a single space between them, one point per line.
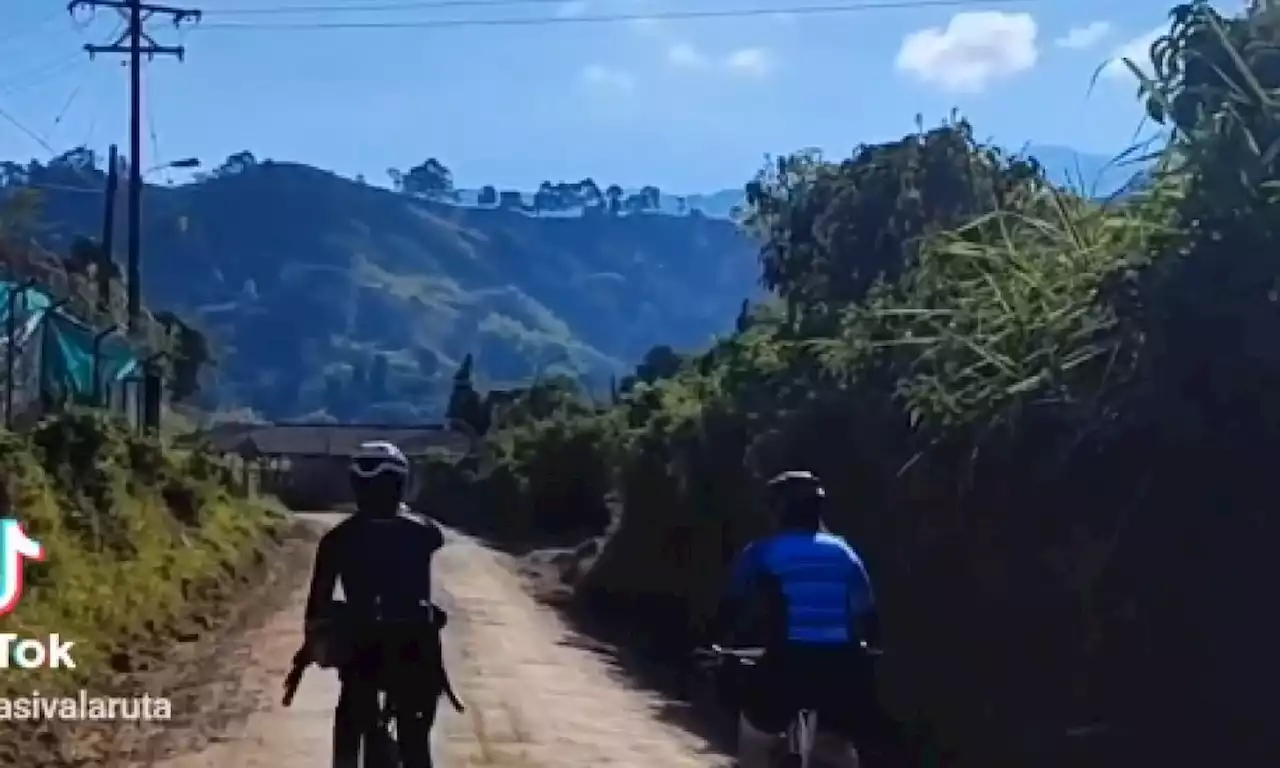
381 739
801 733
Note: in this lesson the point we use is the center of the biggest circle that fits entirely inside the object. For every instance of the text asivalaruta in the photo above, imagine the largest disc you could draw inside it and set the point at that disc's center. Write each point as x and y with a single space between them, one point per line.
84 706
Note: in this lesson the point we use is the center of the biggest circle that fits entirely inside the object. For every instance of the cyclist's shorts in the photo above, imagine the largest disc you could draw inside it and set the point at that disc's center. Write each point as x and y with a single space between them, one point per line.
836 681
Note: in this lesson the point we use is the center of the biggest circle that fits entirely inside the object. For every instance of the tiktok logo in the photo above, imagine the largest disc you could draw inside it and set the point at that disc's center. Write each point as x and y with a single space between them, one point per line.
16 547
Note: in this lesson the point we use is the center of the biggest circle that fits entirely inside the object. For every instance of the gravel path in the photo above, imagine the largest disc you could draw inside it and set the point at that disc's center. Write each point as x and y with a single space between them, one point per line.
532 698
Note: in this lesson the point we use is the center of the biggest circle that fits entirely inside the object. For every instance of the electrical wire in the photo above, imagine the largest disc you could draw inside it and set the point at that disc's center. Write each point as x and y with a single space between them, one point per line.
403 5
39 74
538 21
151 129
16 123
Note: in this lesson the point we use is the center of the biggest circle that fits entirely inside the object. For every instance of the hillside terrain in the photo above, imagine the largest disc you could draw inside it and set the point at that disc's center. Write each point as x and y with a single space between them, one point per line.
323 294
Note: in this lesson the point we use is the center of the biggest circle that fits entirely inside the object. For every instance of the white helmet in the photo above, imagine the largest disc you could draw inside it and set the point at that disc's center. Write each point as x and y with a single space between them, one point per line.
377 456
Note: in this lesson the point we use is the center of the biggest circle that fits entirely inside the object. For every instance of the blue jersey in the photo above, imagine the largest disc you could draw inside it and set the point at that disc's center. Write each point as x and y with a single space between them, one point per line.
820 580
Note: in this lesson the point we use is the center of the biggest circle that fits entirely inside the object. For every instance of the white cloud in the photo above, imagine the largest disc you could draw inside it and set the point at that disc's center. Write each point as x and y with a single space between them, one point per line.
600 76
1087 36
685 56
975 49
1137 50
750 62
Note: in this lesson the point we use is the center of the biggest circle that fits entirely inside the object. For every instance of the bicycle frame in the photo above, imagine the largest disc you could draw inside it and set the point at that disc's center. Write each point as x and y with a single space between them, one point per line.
801 735
381 747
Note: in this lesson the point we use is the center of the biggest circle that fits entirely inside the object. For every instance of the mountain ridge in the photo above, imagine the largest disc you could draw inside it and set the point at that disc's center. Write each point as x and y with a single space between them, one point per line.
327 296
332 296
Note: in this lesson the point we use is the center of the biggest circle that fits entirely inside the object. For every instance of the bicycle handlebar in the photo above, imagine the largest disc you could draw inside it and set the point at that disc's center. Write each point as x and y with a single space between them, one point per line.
753 654
291 683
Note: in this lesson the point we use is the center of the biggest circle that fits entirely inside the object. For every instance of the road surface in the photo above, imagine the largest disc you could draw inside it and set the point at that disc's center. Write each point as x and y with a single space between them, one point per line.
532 699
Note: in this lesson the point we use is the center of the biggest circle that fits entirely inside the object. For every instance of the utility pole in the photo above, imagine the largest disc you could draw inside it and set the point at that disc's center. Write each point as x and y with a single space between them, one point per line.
135 42
108 232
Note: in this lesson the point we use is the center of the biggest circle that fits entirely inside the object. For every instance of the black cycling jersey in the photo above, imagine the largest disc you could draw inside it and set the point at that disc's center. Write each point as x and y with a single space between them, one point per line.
384 564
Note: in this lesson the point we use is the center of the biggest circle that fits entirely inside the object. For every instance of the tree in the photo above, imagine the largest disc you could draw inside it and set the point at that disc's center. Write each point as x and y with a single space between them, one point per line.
589 193
652 197
77 158
236 163
189 353
636 203
465 404
431 180
568 195
82 254
545 198
614 195
488 196
379 373
397 179
831 230
682 205
660 362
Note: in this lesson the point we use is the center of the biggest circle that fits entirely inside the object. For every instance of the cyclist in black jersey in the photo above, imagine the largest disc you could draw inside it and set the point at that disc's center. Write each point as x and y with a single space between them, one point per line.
384 635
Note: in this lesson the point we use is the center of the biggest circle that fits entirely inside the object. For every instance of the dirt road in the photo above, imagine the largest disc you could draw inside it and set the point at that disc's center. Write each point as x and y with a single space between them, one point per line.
533 699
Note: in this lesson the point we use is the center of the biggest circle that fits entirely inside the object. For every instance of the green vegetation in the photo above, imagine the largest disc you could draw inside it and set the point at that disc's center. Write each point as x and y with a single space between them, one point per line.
1050 424
324 296
141 542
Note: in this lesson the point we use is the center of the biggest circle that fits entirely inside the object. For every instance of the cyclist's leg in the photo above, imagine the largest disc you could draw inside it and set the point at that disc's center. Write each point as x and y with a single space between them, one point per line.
845 690
413 729
416 695
357 707
767 708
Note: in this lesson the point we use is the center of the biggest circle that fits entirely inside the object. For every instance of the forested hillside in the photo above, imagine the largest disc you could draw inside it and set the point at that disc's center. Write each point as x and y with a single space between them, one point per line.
324 295
1050 424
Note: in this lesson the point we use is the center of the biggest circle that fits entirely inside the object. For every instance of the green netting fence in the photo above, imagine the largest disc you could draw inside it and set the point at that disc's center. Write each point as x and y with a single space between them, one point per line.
52 359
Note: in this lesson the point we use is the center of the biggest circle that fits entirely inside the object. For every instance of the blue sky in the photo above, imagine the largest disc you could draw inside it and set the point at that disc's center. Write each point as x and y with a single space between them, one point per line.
689 105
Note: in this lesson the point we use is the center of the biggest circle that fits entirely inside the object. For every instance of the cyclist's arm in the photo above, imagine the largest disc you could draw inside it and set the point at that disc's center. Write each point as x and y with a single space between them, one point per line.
862 602
744 573
324 577
433 541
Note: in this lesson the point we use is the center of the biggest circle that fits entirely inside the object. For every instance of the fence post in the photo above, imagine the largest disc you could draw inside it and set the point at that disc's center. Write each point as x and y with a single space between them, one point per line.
152 393
98 338
11 335
46 402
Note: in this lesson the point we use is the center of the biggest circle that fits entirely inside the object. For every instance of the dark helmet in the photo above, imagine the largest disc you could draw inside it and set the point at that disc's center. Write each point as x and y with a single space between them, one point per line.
797 497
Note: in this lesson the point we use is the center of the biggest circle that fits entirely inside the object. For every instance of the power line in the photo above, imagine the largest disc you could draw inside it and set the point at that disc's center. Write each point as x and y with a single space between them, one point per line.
151 129
16 123
539 21
403 5
37 75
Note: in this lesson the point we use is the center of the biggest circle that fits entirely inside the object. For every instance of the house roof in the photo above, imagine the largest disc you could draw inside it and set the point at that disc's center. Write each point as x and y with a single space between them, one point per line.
330 439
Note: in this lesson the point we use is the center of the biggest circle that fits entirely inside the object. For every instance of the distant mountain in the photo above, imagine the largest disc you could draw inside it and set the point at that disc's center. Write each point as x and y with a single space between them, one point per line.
326 294
322 294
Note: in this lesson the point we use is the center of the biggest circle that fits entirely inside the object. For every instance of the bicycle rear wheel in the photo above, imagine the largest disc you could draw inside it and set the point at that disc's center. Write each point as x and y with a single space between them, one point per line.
381 745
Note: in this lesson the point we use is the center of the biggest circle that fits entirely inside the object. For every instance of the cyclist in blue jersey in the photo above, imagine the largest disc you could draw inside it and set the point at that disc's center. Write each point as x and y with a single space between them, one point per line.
820 618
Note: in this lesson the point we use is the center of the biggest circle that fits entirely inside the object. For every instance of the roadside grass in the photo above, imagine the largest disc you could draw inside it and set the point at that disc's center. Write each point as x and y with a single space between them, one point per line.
140 542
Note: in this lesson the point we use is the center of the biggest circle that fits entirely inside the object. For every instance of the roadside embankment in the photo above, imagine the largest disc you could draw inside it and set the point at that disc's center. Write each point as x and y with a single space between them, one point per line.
148 557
